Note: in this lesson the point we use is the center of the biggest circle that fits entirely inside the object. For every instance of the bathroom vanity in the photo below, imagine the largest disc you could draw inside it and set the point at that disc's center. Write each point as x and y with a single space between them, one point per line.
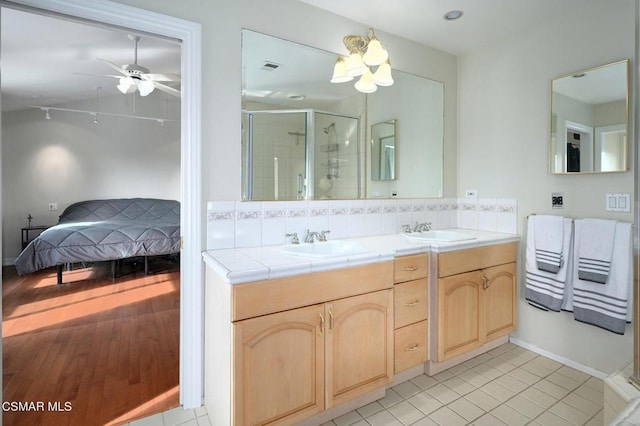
299 340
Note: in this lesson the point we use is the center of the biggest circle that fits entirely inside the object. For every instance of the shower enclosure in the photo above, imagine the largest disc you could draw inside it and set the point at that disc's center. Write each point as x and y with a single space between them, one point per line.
300 154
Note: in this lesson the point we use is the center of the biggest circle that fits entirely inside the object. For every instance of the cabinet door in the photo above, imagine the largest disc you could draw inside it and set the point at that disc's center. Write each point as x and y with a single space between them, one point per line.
500 299
359 346
460 314
279 367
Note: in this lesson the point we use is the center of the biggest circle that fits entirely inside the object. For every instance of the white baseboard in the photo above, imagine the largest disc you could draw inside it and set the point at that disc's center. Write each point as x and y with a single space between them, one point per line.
566 361
8 261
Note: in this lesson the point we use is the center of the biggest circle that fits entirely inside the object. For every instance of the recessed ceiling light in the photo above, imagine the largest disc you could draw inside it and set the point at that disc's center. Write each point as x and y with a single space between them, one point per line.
296 97
452 15
578 75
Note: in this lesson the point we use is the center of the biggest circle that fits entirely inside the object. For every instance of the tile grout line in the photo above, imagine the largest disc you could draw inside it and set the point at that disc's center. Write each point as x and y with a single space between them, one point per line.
503 373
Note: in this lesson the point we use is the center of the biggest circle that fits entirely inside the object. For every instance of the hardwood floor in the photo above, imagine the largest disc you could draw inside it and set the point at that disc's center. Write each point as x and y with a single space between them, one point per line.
106 351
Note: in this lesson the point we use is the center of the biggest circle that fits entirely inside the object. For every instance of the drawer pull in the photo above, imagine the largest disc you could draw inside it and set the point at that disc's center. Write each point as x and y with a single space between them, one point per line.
411 304
412 348
411 268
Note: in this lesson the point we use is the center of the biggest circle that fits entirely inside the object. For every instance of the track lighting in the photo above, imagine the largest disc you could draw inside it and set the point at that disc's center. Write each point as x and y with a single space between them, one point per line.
364 52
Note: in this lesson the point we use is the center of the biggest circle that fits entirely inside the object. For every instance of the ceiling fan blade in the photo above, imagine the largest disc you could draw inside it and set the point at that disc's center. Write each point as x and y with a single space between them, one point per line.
114 66
166 89
97 75
162 77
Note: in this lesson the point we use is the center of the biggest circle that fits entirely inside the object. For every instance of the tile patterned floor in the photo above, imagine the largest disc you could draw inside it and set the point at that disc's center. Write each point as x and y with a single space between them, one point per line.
509 386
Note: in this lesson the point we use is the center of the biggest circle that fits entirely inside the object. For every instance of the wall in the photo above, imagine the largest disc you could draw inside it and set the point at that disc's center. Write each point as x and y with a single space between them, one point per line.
503 127
222 22
69 159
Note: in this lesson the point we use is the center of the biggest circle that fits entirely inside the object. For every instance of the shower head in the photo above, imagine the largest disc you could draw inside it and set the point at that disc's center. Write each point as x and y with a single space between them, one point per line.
329 127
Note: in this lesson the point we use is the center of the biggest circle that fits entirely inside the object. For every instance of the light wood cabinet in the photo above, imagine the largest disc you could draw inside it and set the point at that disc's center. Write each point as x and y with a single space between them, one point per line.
476 306
279 367
359 346
411 311
291 365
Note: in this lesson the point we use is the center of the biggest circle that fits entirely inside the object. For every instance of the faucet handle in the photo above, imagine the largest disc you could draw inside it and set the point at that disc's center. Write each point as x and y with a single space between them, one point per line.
427 226
323 235
407 228
294 239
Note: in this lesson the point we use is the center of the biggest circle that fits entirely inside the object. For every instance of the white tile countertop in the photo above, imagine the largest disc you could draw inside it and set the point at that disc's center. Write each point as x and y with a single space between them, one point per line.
241 265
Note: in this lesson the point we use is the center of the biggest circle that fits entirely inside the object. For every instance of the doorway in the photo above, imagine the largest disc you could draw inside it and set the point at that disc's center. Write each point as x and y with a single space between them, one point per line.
191 271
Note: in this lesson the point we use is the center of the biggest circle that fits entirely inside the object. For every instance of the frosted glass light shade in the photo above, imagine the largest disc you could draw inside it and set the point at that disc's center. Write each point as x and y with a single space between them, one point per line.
126 85
375 54
355 66
366 84
382 76
146 87
340 72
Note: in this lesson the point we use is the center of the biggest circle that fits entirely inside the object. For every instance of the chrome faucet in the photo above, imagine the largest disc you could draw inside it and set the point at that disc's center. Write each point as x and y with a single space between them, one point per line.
312 237
294 238
421 227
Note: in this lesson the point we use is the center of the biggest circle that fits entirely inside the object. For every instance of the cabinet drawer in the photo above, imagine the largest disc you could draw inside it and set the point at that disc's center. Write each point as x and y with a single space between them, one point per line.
410 302
410 346
407 268
457 262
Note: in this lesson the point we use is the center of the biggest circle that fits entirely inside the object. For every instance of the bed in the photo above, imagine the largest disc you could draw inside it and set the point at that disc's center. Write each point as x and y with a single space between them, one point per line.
105 230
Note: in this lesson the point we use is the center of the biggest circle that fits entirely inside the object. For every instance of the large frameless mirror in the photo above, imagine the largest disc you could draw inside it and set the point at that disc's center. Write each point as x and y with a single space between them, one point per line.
304 137
589 120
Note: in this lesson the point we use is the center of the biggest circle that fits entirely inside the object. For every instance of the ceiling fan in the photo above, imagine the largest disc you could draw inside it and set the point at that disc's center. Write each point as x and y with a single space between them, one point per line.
136 77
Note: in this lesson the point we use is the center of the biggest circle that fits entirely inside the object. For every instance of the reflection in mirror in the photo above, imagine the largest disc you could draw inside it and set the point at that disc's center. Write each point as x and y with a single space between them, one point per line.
383 150
304 138
589 120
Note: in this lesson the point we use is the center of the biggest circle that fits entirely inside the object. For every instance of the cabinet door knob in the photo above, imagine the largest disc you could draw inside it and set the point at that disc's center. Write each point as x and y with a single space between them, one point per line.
411 304
412 348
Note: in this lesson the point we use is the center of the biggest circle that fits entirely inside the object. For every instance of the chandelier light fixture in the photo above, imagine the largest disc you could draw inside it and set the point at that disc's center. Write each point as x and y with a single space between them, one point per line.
364 53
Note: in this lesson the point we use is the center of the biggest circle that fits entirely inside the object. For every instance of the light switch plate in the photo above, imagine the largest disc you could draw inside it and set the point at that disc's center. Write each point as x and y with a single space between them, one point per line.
618 202
557 200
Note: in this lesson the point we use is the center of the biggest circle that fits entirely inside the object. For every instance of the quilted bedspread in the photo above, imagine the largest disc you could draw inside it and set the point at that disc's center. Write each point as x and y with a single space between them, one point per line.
99 230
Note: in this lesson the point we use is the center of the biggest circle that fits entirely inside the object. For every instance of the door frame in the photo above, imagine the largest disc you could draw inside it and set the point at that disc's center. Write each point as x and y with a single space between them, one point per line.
191 270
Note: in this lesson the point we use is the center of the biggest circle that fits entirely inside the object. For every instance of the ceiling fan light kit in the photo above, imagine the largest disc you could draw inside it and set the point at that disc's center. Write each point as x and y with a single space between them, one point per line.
136 77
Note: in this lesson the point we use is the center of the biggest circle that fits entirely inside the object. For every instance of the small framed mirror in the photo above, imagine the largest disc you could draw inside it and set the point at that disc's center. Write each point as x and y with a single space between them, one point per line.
383 150
589 120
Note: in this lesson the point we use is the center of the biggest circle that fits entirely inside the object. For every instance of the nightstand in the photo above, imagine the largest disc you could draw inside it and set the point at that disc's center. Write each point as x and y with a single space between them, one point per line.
27 235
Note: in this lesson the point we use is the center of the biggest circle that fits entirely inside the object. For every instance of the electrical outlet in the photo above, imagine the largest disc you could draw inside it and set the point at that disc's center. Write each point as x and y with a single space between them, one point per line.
53 207
471 193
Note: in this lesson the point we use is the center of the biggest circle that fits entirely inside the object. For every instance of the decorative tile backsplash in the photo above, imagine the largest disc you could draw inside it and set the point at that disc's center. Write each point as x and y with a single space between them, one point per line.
233 224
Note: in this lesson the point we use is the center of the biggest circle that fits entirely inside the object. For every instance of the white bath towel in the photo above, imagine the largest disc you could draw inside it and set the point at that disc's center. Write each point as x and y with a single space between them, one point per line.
596 249
607 306
545 289
549 242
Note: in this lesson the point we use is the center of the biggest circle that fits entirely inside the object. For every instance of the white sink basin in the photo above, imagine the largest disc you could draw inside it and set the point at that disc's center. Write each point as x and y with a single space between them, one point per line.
323 249
439 235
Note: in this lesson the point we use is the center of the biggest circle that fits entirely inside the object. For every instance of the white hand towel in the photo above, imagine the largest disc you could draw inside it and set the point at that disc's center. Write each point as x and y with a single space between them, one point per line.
596 249
545 289
549 241
607 306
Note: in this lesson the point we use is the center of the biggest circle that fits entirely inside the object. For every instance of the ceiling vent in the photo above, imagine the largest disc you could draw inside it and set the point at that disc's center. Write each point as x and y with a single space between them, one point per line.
270 66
